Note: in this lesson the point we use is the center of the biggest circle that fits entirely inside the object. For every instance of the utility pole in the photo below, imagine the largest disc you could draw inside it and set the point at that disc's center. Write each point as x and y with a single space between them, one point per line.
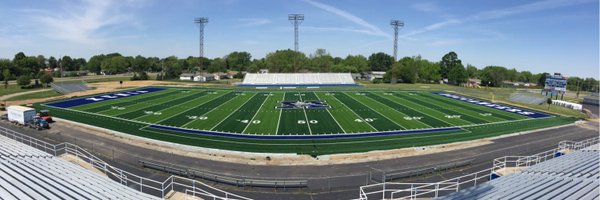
396 24
296 20
201 21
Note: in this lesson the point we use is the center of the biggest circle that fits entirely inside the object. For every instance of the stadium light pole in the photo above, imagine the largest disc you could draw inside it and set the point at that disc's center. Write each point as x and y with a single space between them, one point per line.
396 24
296 19
201 21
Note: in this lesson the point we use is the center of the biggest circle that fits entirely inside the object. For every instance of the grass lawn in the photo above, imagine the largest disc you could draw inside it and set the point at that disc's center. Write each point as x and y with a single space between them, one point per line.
35 95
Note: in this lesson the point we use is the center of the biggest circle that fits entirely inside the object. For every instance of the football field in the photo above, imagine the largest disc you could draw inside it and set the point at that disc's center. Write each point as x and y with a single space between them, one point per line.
190 113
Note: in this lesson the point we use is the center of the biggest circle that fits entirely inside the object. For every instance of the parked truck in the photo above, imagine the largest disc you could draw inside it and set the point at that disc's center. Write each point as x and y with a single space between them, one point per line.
20 114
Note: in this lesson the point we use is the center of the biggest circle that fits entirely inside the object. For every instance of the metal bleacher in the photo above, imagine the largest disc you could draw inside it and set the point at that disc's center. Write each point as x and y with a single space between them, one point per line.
298 79
570 171
69 87
35 169
29 173
571 176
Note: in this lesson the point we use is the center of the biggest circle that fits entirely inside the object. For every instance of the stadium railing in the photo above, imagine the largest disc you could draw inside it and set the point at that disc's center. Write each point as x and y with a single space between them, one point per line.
140 183
395 190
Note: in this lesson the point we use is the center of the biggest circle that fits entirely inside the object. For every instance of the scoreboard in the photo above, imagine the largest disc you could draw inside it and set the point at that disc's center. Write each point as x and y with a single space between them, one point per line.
555 83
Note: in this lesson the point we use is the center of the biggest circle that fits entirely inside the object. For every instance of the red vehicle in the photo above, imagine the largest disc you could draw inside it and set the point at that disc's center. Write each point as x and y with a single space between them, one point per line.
45 115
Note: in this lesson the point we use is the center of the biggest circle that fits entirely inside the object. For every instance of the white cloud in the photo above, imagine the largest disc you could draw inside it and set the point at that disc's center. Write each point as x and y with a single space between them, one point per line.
526 8
368 28
426 6
248 22
445 42
84 22
432 27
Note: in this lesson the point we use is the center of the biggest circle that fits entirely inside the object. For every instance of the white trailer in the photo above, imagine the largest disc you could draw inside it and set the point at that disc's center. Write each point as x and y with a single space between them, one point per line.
20 114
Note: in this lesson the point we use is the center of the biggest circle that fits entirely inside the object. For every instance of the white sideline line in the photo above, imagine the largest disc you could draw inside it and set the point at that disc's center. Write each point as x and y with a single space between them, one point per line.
494 113
330 113
305 116
377 111
302 144
279 119
232 112
256 113
355 113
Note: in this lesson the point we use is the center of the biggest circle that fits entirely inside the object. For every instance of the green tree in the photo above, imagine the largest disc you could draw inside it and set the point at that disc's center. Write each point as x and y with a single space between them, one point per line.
408 69
46 79
67 64
52 62
114 65
525 76
472 71
429 72
451 67
493 75
380 61
358 63
95 63
321 61
217 65
283 61
24 80
238 61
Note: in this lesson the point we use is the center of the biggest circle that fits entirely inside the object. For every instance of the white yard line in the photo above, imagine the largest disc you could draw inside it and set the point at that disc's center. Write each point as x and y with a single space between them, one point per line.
355 113
378 111
279 119
238 108
330 114
192 107
306 116
261 105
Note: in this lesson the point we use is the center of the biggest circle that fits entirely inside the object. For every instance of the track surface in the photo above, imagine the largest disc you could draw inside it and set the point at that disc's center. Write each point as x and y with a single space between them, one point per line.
126 156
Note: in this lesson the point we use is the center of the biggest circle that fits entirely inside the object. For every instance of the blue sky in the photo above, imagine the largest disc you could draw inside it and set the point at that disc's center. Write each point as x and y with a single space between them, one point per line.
538 35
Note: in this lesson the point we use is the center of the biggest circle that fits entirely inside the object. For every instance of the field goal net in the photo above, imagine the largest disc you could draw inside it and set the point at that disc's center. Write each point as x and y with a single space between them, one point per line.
65 87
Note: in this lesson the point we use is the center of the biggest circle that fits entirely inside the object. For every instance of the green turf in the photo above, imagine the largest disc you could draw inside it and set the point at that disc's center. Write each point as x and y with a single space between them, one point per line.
255 112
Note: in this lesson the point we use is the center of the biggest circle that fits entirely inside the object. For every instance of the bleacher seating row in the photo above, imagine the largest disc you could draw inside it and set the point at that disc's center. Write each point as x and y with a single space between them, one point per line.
70 87
29 173
571 176
301 79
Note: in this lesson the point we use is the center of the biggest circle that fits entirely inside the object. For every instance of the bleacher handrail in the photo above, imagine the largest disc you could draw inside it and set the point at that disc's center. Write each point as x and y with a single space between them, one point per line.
424 190
121 176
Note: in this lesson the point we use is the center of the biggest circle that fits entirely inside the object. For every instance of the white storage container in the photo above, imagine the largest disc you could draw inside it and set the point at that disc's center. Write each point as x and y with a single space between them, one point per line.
20 114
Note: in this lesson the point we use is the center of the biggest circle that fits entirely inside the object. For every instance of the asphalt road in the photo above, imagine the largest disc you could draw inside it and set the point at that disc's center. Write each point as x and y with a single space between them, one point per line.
326 182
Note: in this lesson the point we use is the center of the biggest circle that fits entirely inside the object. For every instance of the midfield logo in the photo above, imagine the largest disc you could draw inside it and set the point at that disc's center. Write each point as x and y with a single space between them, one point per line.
308 104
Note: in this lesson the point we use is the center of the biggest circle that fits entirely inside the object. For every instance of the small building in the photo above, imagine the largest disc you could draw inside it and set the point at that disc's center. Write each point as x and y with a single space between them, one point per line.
204 77
220 75
187 76
263 71
473 82
375 75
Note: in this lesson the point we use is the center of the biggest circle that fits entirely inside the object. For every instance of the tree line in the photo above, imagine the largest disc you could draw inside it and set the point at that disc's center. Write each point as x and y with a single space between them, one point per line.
406 70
